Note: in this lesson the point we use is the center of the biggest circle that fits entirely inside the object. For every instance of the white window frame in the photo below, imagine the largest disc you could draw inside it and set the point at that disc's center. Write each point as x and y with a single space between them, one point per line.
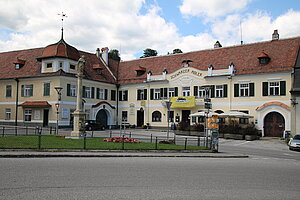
219 91
27 115
88 92
73 90
171 92
186 91
141 94
156 93
244 90
27 89
101 93
7 113
203 93
274 88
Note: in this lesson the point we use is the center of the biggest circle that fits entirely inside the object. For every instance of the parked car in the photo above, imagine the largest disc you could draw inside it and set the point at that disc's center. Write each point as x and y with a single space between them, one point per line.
91 125
294 143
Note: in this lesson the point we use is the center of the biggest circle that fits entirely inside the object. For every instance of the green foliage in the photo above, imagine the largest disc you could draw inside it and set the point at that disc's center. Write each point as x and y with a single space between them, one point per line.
177 51
114 54
149 52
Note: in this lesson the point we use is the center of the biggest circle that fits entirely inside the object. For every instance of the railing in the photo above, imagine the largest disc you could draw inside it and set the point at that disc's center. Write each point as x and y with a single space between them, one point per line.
25 130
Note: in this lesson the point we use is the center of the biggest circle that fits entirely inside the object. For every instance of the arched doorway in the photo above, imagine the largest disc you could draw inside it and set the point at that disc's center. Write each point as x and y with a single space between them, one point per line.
274 125
102 117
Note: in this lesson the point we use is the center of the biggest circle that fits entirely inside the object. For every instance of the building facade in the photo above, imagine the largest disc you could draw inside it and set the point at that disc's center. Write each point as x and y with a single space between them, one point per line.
259 79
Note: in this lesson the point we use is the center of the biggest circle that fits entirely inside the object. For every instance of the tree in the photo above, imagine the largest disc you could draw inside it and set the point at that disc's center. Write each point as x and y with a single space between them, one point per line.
114 54
177 51
149 52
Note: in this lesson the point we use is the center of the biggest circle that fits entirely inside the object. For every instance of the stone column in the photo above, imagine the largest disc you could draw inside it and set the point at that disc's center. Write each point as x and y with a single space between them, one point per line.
78 127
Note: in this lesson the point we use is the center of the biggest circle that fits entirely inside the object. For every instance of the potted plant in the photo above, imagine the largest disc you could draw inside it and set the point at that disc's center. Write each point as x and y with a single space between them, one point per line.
251 132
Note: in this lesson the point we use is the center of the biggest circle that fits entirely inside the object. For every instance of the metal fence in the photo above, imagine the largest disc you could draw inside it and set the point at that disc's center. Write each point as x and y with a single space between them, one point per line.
45 138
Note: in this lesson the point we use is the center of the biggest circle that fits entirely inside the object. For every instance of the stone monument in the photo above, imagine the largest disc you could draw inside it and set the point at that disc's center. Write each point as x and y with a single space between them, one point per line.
78 128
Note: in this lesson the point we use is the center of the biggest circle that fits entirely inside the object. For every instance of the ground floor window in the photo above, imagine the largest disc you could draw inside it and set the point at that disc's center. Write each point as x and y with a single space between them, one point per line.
124 116
156 116
27 115
7 114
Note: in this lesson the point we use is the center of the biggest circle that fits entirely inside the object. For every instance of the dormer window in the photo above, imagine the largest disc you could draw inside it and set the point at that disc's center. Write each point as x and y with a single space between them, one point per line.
49 65
263 58
72 67
140 71
19 63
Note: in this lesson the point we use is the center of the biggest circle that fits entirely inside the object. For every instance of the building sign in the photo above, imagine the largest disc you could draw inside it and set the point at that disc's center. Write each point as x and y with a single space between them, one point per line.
131 109
183 102
186 71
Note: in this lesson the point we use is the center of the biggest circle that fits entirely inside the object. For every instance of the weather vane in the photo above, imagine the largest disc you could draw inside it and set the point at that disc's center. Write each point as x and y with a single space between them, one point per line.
62 23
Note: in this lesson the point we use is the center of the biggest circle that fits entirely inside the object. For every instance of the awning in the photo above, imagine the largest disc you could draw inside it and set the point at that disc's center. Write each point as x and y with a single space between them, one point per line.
183 102
204 114
235 114
35 104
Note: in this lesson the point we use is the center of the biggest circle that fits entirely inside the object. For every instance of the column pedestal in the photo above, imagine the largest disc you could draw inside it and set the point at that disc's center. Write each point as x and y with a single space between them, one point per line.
78 128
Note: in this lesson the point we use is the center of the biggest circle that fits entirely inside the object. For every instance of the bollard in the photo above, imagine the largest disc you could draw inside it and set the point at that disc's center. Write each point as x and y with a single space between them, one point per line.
40 141
174 139
151 138
129 134
16 131
84 142
123 142
155 143
185 143
50 130
110 134
92 133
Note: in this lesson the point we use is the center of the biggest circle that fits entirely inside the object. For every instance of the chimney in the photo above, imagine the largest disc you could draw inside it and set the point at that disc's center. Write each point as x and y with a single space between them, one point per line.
275 35
104 54
98 53
217 45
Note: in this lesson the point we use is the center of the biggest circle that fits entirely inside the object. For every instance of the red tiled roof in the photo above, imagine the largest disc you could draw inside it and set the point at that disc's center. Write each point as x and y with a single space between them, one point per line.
283 54
263 55
35 104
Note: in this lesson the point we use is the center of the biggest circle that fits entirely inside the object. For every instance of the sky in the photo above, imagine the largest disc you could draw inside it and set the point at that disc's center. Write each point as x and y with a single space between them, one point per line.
131 26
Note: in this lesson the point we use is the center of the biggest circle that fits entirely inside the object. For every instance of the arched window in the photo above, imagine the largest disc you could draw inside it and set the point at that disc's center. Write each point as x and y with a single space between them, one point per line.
156 116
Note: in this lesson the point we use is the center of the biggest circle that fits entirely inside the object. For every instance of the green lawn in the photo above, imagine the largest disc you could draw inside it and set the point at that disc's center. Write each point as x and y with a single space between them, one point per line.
56 142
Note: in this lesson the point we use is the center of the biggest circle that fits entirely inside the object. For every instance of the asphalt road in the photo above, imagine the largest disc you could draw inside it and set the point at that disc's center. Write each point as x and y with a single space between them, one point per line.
149 178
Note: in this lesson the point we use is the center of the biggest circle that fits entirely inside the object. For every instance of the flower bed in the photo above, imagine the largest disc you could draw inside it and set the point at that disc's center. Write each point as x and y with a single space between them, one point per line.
119 139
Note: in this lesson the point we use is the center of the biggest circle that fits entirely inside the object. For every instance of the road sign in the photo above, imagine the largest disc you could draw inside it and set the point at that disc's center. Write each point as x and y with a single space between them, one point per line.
207 105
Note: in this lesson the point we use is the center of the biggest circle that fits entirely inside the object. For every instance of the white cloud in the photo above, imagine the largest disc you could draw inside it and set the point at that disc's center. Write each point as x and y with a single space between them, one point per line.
211 8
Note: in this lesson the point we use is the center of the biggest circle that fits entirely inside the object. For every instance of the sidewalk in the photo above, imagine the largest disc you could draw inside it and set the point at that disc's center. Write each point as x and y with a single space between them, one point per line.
20 153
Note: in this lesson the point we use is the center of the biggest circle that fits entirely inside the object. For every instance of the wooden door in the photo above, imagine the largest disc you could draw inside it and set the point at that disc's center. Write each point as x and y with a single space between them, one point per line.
274 125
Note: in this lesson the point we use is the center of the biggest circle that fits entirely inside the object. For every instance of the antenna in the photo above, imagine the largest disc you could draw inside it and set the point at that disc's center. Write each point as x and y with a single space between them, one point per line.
62 23
241 32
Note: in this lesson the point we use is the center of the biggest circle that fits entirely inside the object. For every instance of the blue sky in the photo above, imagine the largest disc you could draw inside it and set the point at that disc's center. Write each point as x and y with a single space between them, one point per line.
134 25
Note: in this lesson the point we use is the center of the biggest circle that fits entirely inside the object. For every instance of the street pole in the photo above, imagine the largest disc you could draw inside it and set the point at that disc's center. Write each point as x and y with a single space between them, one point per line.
58 90
168 104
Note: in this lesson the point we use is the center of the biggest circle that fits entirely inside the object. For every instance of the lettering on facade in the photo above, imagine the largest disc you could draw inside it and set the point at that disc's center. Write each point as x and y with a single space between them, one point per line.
185 71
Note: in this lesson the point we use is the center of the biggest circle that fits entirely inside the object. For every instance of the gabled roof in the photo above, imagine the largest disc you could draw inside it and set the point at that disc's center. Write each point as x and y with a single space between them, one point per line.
282 52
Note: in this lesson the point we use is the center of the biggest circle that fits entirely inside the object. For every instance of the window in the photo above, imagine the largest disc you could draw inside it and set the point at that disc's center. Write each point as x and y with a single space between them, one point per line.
219 91
49 65
142 94
27 90
8 90
171 92
171 117
244 120
275 88
88 92
7 113
71 90
244 90
124 116
100 93
123 95
156 116
113 95
72 67
60 65
46 89
156 94
203 92
27 114
185 91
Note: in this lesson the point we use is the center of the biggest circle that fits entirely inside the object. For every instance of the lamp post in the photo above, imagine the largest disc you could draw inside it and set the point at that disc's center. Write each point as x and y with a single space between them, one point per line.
58 90
168 104
207 105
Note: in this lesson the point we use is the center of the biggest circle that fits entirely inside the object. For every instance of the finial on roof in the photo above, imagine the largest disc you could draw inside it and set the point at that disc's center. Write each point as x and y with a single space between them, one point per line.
62 24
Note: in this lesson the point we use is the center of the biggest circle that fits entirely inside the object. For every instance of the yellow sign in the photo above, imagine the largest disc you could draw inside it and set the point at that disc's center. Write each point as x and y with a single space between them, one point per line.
183 102
143 103
212 122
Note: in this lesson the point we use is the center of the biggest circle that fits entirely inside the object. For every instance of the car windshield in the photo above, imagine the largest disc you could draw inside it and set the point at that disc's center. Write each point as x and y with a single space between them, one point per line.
297 137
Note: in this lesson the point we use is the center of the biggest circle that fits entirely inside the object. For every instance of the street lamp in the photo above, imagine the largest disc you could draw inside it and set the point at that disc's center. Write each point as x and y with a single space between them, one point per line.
168 104
58 90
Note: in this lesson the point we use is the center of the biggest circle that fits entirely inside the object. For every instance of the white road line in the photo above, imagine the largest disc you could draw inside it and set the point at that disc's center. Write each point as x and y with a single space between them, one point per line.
242 143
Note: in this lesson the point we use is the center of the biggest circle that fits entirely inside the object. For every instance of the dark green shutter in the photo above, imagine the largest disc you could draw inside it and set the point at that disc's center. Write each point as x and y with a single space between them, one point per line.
236 90
31 90
195 91
282 88
151 94
265 89
97 93
138 94
126 95
145 94
22 90
225 90
165 92
176 91
212 91
93 93
113 95
105 94
251 86
161 92
68 90
120 95
83 91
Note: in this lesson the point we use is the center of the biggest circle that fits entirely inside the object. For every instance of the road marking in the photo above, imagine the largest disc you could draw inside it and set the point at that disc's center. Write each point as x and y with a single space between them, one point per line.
242 143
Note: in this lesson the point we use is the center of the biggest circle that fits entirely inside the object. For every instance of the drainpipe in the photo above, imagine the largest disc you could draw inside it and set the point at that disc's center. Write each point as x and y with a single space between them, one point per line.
17 100
117 96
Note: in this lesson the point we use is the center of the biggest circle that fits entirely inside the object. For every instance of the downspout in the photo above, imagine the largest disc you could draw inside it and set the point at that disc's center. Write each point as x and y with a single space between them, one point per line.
17 100
118 86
